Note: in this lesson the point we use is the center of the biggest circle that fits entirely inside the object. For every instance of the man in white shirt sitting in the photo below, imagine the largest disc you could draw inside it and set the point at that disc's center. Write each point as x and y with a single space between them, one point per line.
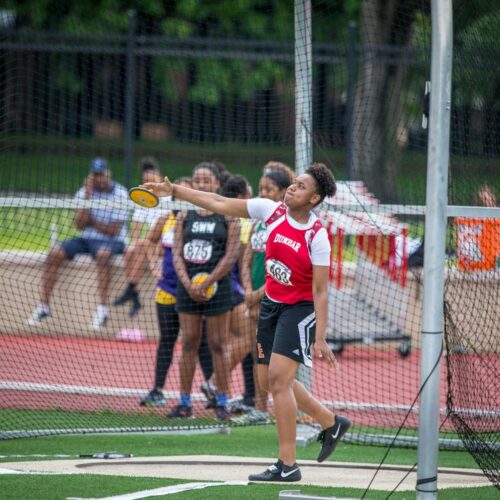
103 234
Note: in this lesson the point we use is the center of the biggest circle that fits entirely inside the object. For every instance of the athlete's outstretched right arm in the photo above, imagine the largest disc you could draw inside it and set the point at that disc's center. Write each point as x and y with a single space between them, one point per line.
209 201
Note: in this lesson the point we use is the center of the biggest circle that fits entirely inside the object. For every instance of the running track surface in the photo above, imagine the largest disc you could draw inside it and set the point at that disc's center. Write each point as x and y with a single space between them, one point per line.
373 375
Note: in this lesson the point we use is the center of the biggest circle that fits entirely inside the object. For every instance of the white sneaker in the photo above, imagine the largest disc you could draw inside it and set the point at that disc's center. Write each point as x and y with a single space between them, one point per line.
41 313
252 417
100 318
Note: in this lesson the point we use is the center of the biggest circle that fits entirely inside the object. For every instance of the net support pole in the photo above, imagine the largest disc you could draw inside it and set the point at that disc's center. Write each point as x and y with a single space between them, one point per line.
351 87
303 86
130 98
303 109
434 249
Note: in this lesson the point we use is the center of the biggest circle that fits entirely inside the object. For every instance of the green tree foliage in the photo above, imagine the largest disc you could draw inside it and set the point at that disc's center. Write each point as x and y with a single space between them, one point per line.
479 40
205 81
84 16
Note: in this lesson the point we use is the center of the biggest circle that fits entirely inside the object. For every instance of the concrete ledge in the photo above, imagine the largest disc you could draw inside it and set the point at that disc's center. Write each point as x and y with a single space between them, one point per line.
75 297
28 257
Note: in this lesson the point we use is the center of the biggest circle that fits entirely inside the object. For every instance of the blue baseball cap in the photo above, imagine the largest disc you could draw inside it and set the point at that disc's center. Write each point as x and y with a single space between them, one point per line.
99 166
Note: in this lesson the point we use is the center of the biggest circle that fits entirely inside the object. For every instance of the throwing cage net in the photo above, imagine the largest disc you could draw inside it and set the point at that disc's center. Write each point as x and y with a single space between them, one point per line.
89 316
472 286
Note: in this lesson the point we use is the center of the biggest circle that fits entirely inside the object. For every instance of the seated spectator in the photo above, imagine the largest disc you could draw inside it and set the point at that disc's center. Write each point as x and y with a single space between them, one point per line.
135 255
103 234
486 197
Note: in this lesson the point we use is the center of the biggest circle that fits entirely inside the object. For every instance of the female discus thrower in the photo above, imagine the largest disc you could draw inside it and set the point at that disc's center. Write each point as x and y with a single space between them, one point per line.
293 312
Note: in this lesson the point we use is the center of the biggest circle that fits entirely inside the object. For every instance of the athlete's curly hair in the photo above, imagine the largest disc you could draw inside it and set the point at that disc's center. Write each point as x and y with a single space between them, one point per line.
325 181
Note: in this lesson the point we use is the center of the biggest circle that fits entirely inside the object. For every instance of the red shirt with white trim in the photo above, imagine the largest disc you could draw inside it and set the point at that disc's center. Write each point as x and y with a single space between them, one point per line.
292 249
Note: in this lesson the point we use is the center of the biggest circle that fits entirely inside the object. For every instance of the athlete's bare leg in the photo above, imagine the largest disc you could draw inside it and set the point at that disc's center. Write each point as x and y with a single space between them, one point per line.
103 260
261 394
55 259
191 335
240 342
282 371
217 334
308 404
136 262
242 335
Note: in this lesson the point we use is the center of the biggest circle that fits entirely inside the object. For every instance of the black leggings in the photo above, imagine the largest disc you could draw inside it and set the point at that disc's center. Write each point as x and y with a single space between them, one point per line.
168 321
247 367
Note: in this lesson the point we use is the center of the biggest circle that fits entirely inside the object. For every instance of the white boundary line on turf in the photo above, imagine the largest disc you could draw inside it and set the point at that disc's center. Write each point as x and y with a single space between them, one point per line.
128 392
167 490
39 455
36 473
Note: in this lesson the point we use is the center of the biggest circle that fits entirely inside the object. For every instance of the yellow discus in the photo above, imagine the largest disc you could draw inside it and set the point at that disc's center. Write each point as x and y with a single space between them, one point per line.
199 278
143 197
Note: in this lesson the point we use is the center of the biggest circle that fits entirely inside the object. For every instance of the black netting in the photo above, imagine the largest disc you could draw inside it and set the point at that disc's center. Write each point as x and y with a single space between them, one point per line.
472 283
175 84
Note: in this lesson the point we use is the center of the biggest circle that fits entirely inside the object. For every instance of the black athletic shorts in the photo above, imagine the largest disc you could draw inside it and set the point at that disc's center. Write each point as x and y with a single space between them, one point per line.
286 329
238 298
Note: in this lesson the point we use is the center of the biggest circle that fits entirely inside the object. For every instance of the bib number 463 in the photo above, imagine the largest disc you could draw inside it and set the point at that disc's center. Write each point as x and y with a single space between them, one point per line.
279 272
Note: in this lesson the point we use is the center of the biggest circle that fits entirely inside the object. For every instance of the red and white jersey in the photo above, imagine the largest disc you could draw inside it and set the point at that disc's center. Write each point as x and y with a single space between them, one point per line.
291 251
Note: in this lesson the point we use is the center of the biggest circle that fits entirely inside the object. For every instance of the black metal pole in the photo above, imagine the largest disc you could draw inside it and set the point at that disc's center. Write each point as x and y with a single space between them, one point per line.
130 98
351 83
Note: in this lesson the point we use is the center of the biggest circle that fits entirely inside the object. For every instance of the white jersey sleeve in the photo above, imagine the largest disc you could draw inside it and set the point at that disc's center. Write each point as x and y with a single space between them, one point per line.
261 208
140 215
149 216
320 249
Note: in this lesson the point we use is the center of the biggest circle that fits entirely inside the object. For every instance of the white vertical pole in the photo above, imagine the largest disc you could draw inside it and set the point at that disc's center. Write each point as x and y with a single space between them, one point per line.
303 108
434 249
303 86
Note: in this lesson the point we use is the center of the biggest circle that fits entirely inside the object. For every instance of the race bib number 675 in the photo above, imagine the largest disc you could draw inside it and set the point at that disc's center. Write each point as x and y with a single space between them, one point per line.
279 272
197 251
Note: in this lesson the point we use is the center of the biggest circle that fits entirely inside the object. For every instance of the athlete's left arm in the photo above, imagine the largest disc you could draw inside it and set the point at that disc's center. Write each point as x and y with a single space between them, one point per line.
233 207
320 296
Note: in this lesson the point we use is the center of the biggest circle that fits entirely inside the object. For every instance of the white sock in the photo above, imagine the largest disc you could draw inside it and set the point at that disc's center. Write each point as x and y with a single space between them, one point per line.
102 310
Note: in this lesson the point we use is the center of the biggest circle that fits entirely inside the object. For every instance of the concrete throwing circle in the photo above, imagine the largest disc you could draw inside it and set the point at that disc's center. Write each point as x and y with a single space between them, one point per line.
227 468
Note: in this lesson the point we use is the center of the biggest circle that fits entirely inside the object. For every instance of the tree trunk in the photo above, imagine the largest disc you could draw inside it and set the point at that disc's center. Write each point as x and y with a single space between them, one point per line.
377 112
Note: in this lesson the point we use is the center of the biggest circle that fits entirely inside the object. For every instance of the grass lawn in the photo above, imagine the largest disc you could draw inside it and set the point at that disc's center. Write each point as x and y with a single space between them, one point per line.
251 441
247 441
57 165
95 486
51 164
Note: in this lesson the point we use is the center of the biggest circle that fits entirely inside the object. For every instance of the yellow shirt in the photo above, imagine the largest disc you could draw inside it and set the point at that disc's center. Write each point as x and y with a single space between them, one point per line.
164 298
167 241
246 228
